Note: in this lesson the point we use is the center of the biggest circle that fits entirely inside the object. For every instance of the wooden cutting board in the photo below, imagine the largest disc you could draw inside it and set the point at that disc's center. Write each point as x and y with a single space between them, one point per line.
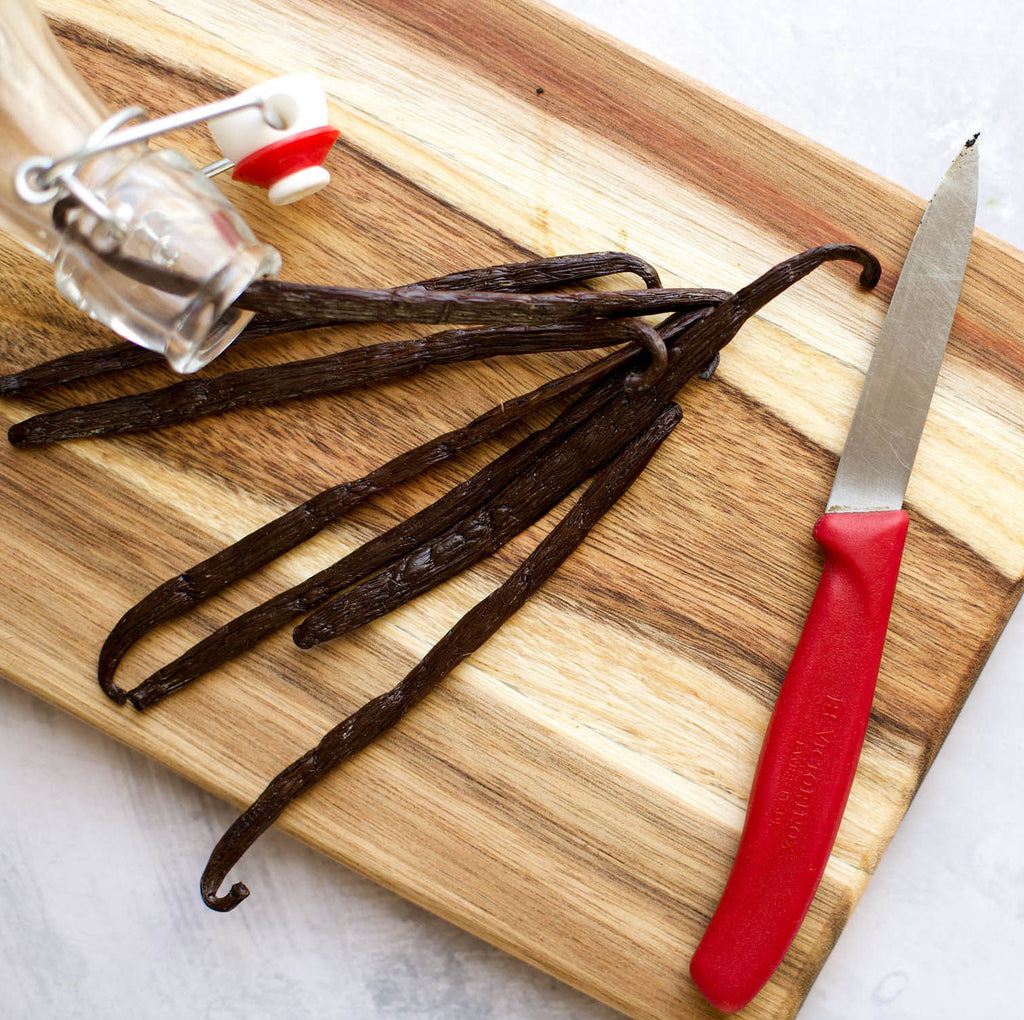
574 792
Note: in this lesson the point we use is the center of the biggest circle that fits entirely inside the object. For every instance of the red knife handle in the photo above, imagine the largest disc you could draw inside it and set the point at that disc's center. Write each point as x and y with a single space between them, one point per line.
808 760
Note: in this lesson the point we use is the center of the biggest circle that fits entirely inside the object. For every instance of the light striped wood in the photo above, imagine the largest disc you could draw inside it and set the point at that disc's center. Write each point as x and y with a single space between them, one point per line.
574 791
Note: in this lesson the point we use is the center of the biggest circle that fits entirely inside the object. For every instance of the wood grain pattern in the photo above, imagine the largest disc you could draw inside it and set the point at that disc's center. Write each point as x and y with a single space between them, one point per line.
574 792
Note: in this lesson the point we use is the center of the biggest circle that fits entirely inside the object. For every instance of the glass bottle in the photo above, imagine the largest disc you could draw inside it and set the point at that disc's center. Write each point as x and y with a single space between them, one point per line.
140 240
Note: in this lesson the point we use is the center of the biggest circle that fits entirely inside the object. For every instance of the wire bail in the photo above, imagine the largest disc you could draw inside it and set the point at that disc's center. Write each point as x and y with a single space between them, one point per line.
40 180
282 150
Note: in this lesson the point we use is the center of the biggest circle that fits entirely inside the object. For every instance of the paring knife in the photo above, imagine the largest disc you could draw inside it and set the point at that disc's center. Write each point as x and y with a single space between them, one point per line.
817 728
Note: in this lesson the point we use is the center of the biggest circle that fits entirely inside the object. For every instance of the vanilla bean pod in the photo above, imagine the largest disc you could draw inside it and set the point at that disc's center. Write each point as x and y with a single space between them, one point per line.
511 276
70 368
244 631
199 397
480 623
540 274
179 594
464 308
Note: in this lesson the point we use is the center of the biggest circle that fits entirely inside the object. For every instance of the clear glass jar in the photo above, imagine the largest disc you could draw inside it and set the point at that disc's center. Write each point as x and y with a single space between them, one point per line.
165 213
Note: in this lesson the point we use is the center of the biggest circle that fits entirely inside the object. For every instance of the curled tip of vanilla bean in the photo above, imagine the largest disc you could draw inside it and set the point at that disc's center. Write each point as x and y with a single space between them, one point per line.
208 886
653 343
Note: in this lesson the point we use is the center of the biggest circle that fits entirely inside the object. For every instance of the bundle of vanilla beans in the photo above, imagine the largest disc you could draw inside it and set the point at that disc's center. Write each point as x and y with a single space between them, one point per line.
614 414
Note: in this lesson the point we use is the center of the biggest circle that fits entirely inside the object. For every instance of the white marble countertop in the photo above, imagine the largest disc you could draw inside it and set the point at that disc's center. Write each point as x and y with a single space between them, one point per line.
115 928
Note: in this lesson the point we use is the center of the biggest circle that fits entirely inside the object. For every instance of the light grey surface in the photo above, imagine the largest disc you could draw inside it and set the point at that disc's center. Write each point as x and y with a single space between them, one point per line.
100 851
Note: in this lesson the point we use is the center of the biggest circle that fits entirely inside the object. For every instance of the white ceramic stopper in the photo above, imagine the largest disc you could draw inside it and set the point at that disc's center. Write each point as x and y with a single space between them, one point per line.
299 185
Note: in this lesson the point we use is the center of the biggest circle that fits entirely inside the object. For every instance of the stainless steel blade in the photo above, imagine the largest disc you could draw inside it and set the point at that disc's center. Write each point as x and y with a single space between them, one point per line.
897 392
